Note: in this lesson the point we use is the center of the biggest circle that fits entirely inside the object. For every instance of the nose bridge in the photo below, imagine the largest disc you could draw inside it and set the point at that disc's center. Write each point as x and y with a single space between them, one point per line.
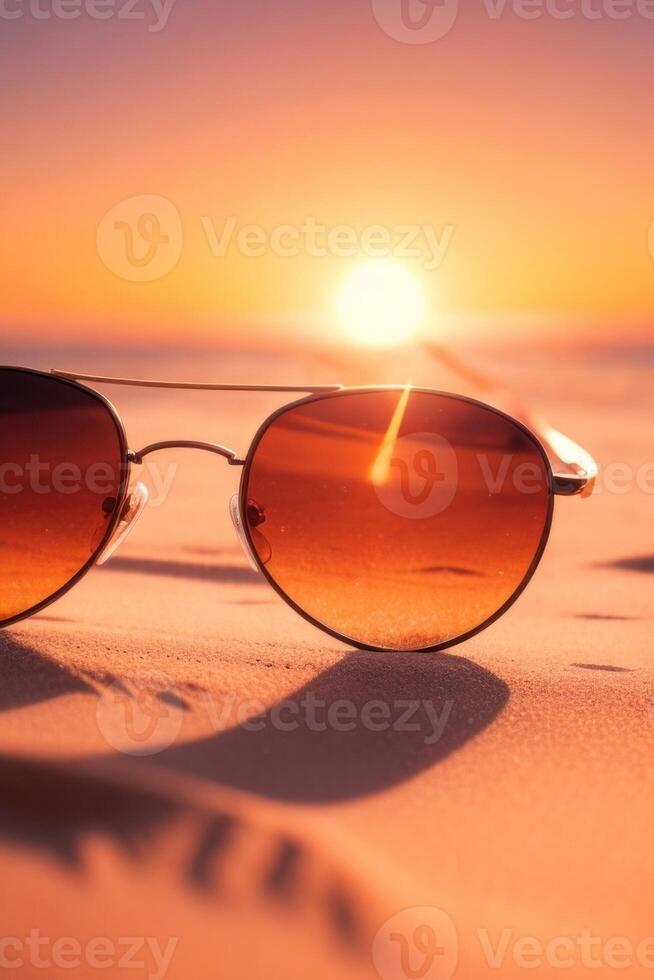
209 447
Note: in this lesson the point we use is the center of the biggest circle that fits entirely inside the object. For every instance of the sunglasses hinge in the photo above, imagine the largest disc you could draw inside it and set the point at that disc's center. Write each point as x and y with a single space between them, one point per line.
569 484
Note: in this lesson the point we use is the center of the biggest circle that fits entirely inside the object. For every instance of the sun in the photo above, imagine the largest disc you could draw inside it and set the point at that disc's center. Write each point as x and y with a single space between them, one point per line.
381 304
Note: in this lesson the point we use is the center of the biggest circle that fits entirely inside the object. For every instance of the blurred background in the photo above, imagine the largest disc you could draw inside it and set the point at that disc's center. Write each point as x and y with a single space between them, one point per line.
517 142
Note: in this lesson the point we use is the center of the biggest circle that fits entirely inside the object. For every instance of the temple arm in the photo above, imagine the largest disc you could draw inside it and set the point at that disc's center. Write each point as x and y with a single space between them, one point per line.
579 469
192 385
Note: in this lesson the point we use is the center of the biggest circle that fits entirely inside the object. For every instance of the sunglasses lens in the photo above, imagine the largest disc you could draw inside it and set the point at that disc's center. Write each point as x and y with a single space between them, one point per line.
397 519
61 480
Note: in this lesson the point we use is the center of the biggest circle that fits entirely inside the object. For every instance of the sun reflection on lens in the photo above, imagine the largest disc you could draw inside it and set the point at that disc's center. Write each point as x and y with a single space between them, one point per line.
381 468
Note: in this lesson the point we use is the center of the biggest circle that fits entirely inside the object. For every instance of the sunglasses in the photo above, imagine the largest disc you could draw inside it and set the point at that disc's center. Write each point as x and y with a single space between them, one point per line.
392 518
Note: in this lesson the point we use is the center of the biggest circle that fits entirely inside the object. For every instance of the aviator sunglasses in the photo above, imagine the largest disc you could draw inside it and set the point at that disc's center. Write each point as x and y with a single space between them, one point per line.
393 518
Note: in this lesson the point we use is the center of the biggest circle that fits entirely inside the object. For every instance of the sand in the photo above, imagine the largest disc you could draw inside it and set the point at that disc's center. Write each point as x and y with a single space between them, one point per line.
517 799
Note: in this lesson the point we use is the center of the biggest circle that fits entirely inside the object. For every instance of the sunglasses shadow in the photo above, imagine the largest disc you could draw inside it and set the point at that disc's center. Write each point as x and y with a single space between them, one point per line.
409 711
370 722
185 569
53 808
29 677
634 563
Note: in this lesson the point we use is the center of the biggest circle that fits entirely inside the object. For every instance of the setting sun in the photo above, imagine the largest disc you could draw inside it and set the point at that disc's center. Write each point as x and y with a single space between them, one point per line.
381 304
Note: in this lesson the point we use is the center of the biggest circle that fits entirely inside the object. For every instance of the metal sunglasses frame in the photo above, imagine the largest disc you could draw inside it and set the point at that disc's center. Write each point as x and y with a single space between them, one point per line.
576 478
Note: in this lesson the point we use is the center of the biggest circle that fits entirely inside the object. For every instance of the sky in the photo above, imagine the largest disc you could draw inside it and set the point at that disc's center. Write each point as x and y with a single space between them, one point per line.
215 171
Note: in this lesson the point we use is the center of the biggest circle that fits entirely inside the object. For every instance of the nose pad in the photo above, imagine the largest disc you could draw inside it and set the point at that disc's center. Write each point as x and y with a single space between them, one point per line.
263 548
132 510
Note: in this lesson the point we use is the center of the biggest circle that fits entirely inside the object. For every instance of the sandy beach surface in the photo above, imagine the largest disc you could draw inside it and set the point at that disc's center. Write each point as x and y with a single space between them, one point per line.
510 815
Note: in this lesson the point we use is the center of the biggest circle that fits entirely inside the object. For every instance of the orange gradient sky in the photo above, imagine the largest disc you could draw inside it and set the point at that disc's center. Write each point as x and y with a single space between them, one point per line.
529 139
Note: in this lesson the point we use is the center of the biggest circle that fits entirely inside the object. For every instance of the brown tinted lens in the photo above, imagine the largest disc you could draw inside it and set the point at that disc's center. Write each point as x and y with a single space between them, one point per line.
60 482
397 519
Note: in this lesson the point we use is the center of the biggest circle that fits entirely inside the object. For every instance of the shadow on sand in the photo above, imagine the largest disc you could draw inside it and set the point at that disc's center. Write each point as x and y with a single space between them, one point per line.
367 723
424 707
